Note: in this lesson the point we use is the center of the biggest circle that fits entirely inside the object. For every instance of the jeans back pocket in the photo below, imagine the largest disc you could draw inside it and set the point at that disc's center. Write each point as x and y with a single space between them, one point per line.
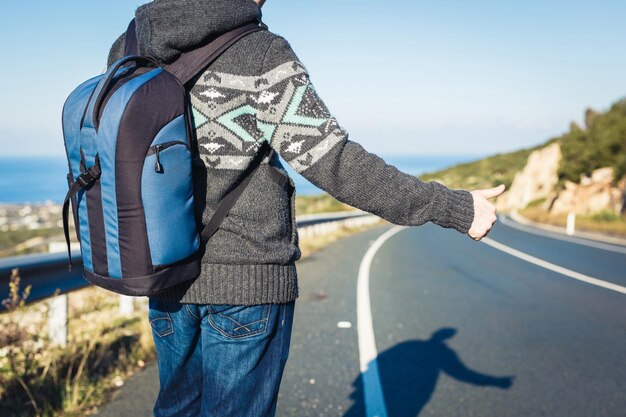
160 319
237 322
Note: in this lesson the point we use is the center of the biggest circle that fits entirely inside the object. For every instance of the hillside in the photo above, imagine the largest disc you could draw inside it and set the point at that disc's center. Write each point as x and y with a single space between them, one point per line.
582 171
484 173
600 143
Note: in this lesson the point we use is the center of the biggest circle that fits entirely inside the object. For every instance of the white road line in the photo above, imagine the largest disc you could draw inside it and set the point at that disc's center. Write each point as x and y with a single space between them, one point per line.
586 242
372 388
555 268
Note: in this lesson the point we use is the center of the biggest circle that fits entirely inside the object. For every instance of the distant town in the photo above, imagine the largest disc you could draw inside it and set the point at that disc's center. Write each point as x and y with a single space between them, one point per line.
31 217
30 228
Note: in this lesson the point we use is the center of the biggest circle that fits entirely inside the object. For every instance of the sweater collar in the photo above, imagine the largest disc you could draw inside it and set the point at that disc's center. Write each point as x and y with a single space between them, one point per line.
165 28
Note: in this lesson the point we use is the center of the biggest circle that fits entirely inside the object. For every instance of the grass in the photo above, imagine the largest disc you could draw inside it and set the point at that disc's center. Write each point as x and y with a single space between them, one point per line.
324 203
10 240
310 246
607 223
39 379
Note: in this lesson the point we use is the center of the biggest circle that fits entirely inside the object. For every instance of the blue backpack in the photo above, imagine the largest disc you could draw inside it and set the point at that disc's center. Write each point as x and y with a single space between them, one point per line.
129 142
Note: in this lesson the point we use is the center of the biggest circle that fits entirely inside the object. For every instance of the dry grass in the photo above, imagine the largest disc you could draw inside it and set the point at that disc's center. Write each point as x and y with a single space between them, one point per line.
313 204
38 379
309 246
605 223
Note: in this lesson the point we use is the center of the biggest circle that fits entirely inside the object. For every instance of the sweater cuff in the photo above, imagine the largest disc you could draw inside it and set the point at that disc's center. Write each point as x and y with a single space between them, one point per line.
458 211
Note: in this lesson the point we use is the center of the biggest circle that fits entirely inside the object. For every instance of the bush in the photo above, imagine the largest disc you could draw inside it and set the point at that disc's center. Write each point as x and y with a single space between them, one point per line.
536 203
601 144
606 217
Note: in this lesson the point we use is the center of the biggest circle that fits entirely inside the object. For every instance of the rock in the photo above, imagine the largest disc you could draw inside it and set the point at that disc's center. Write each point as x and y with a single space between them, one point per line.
536 181
594 194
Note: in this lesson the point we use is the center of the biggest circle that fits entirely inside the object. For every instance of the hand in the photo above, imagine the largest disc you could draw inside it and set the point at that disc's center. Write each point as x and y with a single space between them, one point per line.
484 211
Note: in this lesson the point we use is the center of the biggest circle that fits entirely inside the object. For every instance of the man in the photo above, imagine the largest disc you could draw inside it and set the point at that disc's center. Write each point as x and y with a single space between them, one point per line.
222 340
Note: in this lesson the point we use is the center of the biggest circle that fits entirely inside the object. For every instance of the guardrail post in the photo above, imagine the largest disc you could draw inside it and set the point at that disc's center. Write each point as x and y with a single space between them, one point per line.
57 320
127 305
571 224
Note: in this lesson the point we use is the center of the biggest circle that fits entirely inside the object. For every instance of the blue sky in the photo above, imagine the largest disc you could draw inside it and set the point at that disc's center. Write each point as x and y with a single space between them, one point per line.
403 77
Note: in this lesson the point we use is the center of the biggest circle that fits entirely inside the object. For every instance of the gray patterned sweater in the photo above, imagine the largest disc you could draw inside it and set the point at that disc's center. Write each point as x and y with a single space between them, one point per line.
259 91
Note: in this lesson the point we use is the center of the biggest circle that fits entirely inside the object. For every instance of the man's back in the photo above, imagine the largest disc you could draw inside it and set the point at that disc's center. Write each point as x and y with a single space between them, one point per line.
259 91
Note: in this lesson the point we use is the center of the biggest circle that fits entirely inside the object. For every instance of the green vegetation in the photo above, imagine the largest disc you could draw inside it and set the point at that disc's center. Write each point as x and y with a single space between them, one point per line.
601 144
324 203
485 173
10 239
608 217
536 203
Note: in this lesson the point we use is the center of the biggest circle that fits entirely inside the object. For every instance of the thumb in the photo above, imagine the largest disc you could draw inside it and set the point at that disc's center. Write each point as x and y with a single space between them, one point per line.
493 192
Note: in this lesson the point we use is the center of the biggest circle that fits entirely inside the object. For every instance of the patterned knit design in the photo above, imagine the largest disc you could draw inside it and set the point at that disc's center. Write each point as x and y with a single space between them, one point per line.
233 114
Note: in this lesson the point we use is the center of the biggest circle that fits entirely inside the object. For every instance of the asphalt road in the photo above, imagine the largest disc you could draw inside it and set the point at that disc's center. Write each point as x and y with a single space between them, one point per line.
462 329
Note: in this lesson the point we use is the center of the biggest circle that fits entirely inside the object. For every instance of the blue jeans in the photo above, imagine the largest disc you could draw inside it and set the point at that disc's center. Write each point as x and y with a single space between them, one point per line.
219 360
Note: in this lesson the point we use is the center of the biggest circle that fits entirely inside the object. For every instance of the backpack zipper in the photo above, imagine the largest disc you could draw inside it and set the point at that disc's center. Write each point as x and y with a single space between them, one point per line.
156 149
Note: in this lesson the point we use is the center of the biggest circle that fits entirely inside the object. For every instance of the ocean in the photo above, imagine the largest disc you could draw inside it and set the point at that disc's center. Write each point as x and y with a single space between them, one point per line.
41 179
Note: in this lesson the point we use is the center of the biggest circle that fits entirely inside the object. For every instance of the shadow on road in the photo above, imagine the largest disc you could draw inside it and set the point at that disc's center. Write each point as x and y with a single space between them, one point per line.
409 372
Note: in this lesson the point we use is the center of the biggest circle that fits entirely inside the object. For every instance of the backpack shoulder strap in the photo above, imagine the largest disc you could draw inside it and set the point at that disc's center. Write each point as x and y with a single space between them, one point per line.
191 63
231 198
131 44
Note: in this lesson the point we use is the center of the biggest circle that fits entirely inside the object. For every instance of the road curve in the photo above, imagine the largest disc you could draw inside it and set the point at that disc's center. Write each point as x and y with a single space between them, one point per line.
462 329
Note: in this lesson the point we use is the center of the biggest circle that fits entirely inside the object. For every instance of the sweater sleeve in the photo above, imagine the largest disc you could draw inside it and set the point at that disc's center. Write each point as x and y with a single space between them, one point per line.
301 129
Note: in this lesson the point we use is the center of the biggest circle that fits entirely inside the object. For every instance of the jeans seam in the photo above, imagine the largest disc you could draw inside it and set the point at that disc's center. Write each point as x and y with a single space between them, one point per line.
235 321
168 332
249 324
191 312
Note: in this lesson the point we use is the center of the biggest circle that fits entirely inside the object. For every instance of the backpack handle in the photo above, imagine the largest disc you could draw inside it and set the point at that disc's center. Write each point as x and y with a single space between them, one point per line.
90 118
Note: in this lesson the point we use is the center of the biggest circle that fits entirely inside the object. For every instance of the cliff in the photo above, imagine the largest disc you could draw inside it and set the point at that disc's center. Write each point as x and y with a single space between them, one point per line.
582 171
538 183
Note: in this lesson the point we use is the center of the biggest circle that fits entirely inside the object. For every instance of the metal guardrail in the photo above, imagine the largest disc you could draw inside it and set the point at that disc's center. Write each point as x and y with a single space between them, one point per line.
47 273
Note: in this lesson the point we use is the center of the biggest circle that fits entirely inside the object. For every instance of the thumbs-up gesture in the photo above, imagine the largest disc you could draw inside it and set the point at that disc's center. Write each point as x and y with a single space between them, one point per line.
484 211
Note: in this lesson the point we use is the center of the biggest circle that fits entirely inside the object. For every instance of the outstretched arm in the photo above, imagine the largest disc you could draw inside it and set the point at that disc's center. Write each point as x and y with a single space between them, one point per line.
452 365
302 130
